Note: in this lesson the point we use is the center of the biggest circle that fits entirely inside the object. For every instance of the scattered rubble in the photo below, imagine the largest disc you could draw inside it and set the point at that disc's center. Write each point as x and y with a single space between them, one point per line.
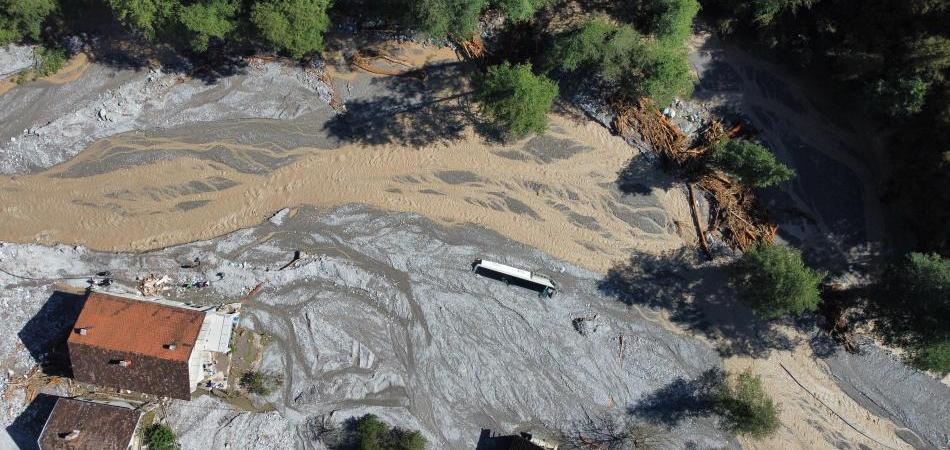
153 285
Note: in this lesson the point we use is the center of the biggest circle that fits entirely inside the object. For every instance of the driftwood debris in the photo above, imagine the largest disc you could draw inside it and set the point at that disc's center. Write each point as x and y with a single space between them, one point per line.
472 49
735 212
366 62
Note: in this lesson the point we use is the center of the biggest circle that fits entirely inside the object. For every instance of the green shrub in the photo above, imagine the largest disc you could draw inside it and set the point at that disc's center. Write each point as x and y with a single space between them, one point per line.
515 98
160 437
293 26
371 433
746 407
260 383
752 163
50 60
773 281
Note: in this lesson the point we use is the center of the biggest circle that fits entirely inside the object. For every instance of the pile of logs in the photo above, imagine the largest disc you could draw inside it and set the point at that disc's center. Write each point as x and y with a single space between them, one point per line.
735 211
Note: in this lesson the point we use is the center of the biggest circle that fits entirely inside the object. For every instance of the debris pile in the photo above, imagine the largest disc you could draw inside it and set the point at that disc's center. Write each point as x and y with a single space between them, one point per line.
154 285
381 64
471 49
736 213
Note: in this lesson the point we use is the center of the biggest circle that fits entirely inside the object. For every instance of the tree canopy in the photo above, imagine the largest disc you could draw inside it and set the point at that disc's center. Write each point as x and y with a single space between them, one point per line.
774 281
23 19
160 437
670 20
890 58
605 47
752 163
293 26
746 407
914 306
371 433
626 60
208 19
146 16
515 98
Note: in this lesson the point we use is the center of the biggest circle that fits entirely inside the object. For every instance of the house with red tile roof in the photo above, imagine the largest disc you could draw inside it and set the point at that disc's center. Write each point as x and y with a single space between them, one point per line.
153 347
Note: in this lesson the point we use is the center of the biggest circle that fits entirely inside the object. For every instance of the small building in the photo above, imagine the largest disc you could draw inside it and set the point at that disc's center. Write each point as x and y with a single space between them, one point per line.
84 425
153 347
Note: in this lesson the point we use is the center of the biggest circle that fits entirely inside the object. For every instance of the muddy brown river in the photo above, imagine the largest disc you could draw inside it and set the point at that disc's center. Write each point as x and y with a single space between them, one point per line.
137 191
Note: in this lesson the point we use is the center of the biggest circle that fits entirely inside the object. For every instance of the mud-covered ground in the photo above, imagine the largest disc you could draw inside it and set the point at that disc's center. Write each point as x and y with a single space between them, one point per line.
383 314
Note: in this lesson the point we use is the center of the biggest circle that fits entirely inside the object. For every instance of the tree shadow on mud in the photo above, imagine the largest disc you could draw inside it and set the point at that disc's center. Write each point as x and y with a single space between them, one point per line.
681 399
45 334
418 108
699 299
640 175
26 428
111 44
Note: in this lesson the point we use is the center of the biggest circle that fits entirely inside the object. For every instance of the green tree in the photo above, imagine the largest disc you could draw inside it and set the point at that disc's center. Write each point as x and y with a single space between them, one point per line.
765 11
145 16
774 282
901 97
670 20
260 383
662 73
21 19
160 437
449 18
746 407
293 26
933 356
915 308
515 98
599 45
521 10
371 433
752 163
208 19
621 57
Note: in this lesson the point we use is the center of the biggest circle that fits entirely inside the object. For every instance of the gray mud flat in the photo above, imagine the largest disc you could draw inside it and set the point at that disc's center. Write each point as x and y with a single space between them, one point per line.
382 314
889 388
